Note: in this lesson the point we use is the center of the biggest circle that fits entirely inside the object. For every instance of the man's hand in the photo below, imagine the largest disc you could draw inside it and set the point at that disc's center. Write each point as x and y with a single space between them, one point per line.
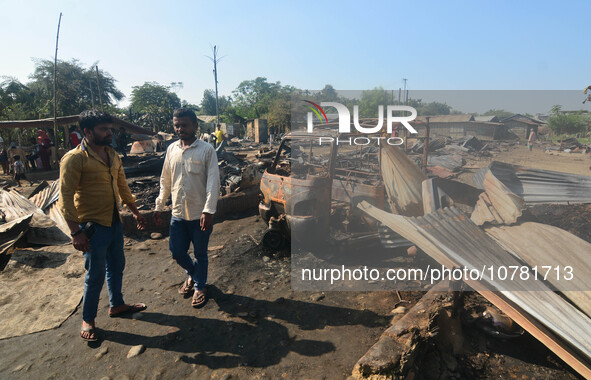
81 242
157 218
206 221
140 220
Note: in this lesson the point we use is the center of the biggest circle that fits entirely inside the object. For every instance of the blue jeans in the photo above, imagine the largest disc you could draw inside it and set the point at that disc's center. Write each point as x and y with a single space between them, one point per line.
105 257
182 233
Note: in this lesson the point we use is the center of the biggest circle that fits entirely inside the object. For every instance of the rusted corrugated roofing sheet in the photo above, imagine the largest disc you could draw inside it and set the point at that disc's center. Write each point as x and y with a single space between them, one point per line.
403 181
497 204
454 241
537 185
541 244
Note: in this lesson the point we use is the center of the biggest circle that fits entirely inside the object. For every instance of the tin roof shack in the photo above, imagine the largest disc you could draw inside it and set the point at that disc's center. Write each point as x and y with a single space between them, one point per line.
459 126
521 125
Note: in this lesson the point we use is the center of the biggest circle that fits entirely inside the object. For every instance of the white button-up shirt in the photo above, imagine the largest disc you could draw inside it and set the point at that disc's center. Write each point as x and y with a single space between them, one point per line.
192 176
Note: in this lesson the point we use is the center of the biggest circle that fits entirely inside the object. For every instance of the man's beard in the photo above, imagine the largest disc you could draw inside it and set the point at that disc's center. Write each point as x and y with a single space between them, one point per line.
104 142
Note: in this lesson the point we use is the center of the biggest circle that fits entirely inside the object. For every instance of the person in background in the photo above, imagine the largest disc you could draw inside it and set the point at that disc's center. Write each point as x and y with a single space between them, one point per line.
122 142
19 171
34 154
13 152
4 158
44 146
531 140
207 136
219 136
75 136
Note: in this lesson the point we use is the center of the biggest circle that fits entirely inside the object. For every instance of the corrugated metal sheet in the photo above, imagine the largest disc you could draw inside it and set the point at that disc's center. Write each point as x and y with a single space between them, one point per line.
47 196
16 206
541 244
44 229
497 205
454 241
451 162
402 179
10 233
536 186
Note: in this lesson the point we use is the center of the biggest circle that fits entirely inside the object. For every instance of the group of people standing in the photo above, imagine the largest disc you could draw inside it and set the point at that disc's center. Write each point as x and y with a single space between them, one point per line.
17 160
214 139
92 188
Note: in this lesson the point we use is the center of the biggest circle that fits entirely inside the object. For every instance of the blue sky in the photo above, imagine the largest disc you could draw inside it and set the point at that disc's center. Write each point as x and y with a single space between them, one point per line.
353 45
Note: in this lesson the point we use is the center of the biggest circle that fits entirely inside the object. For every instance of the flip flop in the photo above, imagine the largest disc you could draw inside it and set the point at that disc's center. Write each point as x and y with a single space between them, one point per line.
199 298
132 308
187 288
91 331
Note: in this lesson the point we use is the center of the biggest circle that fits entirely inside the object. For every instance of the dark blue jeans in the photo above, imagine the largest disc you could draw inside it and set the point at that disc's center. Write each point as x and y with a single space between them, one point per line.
105 257
182 233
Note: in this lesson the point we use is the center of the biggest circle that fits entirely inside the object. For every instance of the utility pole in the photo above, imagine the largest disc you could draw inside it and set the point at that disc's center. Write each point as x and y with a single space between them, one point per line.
405 94
426 146
57 38
91 94
215 61
98 83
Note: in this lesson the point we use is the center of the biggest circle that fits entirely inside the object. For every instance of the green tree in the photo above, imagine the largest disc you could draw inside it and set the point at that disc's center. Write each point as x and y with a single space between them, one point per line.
208 103
16 100
433 108
252 98
371 100
561 122
153 105
77 88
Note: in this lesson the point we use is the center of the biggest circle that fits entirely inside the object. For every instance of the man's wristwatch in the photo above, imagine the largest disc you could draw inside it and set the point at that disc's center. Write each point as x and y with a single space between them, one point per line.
76 233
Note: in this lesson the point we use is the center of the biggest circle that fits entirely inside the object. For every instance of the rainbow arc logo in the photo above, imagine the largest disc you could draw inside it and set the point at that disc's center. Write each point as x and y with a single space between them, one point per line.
315 110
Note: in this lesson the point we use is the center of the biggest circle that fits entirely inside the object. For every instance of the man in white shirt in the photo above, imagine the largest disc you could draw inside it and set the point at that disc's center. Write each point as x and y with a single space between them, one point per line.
191 175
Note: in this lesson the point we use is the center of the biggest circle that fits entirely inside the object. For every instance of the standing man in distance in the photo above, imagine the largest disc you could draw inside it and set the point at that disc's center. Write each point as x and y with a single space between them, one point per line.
92 184
219 136
190 174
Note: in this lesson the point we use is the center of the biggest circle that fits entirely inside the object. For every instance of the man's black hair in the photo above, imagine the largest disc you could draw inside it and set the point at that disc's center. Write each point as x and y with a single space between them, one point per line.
17 157
91 118
185 112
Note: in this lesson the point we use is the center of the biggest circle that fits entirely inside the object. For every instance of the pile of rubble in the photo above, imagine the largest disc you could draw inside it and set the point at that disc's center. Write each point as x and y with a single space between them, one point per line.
493 228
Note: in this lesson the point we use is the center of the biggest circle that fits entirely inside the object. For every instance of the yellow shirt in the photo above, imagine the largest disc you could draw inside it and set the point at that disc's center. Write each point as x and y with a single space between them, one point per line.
89 188
219 135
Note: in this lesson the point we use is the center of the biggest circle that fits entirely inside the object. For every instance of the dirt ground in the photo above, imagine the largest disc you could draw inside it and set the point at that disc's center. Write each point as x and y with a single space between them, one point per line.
254 326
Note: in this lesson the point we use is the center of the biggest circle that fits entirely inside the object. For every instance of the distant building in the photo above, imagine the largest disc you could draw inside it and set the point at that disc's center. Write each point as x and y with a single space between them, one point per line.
459 126
521 125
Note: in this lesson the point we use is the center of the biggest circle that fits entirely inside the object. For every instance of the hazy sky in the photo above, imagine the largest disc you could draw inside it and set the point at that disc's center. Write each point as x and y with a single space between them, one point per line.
437 45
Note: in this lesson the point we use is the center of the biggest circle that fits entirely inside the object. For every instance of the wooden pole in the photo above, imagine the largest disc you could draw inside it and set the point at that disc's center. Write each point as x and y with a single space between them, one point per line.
98 83
426 146
55 83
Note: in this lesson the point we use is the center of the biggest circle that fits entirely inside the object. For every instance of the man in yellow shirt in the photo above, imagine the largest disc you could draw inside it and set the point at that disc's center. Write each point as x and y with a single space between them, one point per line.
92 185
219 136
